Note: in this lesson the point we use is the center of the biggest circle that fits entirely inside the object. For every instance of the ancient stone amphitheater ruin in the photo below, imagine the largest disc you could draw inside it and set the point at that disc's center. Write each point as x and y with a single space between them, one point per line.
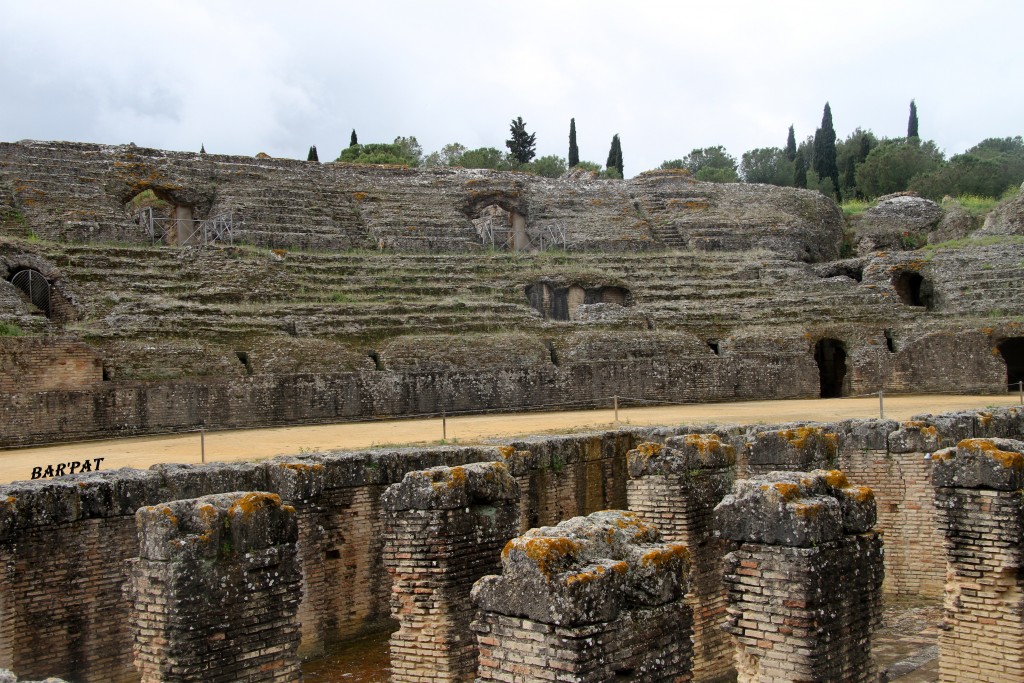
162 291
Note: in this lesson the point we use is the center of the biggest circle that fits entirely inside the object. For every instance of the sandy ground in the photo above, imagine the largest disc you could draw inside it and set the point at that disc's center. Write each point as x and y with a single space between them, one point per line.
253 444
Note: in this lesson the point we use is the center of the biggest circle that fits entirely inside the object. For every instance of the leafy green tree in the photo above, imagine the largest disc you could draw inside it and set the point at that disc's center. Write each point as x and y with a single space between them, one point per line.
588 166
522 146
769 165
615 156
402 152
711 164
825 163
800 170
574 151
446 156
893 164
851 153
483 157
791 145
672 165
551 166
411 149
912 121
988 169
353 140
312 154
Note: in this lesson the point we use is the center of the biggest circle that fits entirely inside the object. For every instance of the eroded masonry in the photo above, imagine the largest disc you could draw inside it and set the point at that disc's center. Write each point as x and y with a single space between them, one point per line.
575 554
160 291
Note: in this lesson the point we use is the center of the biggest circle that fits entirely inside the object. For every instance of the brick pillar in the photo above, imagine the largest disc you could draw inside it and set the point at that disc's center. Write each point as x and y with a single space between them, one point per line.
805 578
676 488
596 598
215 590
444 528
978 496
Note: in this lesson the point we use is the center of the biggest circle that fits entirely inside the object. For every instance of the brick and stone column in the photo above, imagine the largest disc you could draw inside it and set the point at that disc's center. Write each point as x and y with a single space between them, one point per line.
805 578
596 598
978 495
676 488
444 528
215 590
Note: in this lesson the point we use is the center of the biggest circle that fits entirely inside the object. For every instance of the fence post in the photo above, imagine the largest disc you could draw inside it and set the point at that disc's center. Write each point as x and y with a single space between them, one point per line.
881 403
202 444
1020 389
444 426
616 404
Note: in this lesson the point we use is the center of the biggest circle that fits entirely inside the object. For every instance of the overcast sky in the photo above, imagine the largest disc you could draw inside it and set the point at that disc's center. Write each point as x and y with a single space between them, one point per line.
249 76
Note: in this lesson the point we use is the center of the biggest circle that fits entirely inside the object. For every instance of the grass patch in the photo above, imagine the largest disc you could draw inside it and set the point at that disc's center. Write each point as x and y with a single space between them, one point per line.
855 207
11 330
975 242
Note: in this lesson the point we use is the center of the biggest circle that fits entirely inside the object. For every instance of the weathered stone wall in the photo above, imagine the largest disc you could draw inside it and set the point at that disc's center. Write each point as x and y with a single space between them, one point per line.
77 192
676 488
592 599
34 364
83 526
804 579
216 590
444 529
979 493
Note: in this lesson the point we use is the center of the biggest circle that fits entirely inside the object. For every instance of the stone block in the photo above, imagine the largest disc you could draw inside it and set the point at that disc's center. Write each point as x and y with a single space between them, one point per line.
995 464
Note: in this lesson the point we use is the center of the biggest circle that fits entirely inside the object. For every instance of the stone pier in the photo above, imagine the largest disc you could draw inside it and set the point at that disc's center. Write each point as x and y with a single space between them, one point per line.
444 528
804 579
978 496
215 590
596 598
676 488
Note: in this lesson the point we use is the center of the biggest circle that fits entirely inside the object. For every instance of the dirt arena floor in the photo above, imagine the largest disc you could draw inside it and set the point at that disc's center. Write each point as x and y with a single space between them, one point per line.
255 444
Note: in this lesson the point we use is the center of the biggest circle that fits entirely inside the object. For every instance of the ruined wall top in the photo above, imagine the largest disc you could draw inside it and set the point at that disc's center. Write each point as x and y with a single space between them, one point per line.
585 570
207 527
799 509
449 488
681 455
993 464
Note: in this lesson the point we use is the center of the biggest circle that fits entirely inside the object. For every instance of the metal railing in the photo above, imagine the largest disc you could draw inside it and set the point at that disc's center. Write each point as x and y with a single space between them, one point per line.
219 228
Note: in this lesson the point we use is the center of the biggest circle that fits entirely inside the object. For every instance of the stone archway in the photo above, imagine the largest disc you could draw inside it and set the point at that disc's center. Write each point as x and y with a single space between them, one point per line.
1012 351
913 289
830 356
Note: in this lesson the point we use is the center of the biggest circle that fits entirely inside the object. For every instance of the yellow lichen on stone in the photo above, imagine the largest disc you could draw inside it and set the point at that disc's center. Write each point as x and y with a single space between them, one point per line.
544 551
861 494
786 490
798 437
807 509
985 418
251 502
659 556
836 479
584 577
1007 459
506 451
302 467
165 510
620 567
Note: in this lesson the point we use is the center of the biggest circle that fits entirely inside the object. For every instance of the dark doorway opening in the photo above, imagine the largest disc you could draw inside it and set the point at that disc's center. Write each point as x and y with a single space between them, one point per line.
830 355
1012 350
890 343
35 287
913 289
713 345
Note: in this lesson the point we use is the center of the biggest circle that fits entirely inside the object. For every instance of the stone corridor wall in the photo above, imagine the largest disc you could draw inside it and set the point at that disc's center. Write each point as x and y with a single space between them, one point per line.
83 526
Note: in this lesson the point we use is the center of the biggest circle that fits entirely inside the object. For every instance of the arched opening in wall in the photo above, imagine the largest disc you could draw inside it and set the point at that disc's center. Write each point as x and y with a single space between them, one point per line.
161 217
574 296
540 296
830 356
613 295
375 357
1012 351
913 289
713 345
35 287
890 343
499 222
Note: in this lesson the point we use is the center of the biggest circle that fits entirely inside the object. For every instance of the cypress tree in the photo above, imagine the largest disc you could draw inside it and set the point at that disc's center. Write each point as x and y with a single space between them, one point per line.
800 172
825 150
574 151
912 123
522 145
615 155
312 154
353 140
202 149
791 145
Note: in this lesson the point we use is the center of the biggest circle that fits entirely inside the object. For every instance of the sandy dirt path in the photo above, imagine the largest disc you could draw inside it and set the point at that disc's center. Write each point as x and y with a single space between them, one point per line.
253 444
